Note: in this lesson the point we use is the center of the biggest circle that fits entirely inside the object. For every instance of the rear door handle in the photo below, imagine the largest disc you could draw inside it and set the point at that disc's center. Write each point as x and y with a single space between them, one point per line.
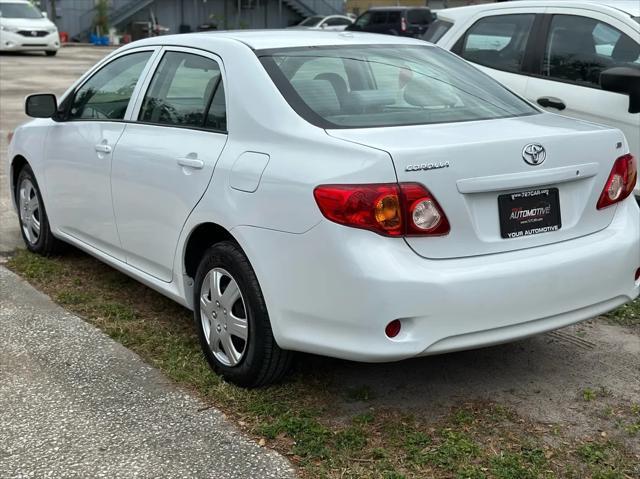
550 102
194 163
103 148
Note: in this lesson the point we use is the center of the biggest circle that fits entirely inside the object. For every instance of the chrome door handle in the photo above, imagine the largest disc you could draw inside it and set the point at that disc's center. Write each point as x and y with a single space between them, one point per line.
194 163
102 148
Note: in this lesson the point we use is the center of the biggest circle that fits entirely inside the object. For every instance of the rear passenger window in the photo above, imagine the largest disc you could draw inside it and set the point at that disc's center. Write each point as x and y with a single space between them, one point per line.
183 91
419 17
379 18
498 42
217 115
580 48
394 18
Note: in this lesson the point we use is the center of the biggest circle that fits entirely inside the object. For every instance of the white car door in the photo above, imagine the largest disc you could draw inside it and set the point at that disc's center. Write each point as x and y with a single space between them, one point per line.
79 150
496 42
577 49
166 156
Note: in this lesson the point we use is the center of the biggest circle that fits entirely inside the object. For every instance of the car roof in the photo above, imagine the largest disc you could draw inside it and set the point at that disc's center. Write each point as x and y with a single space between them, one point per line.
269 39
630 7
14 1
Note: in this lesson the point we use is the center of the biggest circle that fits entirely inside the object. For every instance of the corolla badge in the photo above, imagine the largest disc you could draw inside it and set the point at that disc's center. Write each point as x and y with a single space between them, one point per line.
428 166
534 154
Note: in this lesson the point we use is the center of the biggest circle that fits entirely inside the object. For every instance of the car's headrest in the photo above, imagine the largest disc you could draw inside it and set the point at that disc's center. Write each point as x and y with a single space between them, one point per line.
319 95
368 99
420 93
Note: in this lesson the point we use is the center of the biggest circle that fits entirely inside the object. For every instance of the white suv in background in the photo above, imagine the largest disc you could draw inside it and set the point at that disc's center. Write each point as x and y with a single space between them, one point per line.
24 28
557 54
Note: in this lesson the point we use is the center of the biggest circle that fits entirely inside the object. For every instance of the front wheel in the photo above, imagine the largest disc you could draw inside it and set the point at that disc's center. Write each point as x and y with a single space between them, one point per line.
232 320
34 223
51 53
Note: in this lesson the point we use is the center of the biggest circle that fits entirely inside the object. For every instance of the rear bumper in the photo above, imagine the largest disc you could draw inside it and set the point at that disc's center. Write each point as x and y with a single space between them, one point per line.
14 42
332 290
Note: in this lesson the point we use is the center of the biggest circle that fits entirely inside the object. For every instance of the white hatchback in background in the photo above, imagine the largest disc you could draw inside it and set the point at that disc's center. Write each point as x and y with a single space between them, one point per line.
552 52
24 28
331 23
368 197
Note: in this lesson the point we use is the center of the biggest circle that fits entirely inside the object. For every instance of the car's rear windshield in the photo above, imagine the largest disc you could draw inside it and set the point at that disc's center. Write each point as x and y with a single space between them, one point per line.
18 10
386 85
436 31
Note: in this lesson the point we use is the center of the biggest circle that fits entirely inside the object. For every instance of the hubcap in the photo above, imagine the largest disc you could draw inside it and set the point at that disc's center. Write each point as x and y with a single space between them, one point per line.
224 317
29 206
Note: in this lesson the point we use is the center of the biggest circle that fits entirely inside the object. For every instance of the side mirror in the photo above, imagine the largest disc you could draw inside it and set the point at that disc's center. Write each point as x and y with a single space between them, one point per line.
45 14
625 80
42 105
323 26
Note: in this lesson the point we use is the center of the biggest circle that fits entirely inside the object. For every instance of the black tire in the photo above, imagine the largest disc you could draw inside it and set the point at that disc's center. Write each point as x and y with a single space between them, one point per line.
263 362
51 53
45 244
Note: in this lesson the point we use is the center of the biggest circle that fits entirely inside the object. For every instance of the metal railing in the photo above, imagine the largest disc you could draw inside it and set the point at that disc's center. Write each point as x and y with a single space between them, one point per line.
116 16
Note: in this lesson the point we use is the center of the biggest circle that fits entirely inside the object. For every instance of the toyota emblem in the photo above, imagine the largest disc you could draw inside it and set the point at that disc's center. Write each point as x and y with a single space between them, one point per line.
534 154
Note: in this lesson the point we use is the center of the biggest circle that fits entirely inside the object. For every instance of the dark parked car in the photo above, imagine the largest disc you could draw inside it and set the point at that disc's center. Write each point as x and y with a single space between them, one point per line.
404 21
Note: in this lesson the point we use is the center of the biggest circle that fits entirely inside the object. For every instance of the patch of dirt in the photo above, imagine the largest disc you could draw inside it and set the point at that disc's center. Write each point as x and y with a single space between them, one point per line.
543 378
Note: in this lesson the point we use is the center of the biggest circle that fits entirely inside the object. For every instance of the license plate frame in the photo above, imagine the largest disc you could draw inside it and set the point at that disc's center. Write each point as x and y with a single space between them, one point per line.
529 213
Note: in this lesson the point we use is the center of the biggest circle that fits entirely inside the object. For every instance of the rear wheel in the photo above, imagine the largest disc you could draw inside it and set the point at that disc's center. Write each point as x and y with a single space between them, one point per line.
34 224
232 320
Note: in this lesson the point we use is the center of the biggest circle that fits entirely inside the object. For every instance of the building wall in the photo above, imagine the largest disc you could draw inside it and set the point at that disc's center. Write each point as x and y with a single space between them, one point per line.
75 16
264 14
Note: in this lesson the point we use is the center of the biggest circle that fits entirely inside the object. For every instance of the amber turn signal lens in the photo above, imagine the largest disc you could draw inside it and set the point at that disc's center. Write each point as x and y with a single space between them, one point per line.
387 212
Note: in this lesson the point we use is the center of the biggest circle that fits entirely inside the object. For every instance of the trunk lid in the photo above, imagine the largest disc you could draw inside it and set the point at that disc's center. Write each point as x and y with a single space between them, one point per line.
468 166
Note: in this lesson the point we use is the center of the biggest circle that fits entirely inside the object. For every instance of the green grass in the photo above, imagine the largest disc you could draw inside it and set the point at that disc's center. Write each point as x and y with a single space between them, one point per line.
627 315
328 430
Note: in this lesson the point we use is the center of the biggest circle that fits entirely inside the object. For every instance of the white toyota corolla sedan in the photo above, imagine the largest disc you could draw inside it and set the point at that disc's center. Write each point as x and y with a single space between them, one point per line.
366 197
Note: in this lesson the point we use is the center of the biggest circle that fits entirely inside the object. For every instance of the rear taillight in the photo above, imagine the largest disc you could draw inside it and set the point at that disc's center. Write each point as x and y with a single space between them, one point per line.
424 215
403 25
390 209
621 182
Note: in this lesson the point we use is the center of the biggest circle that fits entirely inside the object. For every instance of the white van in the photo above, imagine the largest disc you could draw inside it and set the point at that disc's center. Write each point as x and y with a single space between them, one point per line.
25 28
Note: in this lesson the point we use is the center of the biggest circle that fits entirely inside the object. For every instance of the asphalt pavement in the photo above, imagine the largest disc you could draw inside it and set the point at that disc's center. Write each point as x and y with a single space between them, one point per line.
74 403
